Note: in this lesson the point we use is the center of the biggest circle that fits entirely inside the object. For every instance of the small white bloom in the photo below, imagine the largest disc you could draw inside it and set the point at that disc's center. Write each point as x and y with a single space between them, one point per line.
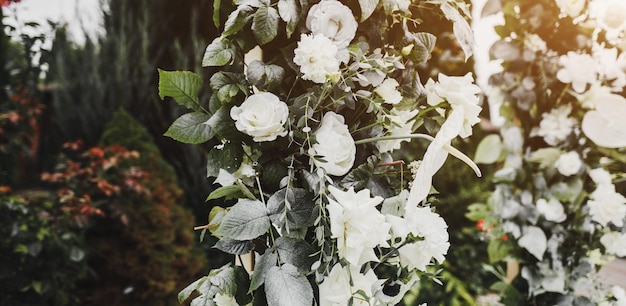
224 300
357 225
460 93
569 163
614 243
556 125
533 42
334 20
610 15
607 206
403 125
610 66
512 138
534 241
605 125
572 8
317 57
389 92
620 295
601 176
261 116
334 144
552 210
577 69
597 92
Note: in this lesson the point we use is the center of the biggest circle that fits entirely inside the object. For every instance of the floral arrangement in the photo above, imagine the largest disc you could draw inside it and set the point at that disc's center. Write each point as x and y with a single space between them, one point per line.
558 206
304 141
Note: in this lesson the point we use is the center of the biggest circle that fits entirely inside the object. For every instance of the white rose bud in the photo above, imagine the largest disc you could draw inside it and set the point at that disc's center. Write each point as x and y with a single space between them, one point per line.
334 144
569 163
334 20
261 116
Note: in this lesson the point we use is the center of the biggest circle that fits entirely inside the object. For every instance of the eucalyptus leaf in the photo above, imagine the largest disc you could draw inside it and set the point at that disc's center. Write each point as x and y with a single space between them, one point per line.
423 45
238 19
228 157
265 77
191 128
218 53
226 192
183 86
226 85
296 252
265 24
235 247
367 8
207 292
246 220
187 291
284 286
261 268
224 278
288 11
294 203
489 150
216 12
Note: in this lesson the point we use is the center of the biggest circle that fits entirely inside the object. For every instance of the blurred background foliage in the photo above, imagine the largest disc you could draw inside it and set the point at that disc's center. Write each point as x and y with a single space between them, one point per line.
108 220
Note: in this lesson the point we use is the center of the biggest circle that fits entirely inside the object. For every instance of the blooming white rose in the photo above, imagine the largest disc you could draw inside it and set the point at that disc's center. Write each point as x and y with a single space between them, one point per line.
334 20
317 57
577 69
556 125
569 163
224 300
552 210
261 116
534 241
357 225
460 93
607 206
605 125
388 91
614 243
420 222
572 8
403 125
334 144
342 284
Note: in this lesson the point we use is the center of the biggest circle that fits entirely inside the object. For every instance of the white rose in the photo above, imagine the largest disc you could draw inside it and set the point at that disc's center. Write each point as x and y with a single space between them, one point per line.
461 93
317 57
334 144
569 163
572 8
605 125
556 125
352 216
552 210
614 243
577 69
343 283
389 92
333 20
261 116
606 206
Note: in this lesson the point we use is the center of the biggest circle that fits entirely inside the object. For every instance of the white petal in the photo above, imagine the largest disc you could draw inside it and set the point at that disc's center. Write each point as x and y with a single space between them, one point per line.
534 240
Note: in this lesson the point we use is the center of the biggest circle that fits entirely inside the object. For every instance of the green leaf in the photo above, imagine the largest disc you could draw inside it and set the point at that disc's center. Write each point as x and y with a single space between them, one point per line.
184 294
284 286
265 77
246 220
545 157
265 24
183 86
263 264
489 150
228 157
423 45
219 53
295 204
228 84
367 8
227 192
191 128
222 124
462 30
235 247
296 252
288 11
477 211
216 12
498 250
238 19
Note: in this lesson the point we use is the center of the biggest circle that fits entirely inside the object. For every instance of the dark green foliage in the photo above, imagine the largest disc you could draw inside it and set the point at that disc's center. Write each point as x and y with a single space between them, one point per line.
149 252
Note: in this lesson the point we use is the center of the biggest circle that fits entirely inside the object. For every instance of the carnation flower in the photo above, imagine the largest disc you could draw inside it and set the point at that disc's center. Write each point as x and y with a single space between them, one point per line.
460 93
261 116
552 210
569 163
317 57
572 8
577 69
607 206
356 224
334 144
556 125
334 20
403 125
389 92
614 243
